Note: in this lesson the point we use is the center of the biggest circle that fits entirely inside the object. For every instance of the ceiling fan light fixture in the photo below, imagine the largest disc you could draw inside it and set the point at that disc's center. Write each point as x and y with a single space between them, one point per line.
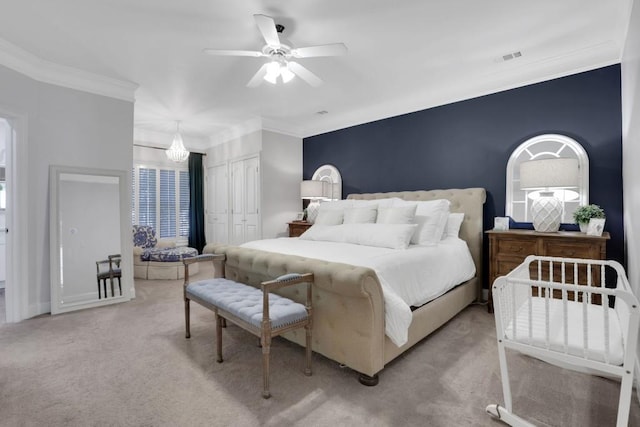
177 152
286 74
273 71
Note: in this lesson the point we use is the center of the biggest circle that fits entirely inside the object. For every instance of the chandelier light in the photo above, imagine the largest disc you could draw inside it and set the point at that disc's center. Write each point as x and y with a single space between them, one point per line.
177 152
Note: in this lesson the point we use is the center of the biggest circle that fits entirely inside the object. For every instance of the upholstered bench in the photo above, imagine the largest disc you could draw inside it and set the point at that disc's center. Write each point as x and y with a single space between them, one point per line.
258 311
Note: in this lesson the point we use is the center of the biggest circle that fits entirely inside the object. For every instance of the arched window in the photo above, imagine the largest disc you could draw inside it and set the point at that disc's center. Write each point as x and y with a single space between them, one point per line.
546 146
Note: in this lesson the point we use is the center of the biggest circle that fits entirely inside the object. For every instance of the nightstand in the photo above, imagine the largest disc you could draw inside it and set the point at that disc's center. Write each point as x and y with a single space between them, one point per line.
509 248
296 228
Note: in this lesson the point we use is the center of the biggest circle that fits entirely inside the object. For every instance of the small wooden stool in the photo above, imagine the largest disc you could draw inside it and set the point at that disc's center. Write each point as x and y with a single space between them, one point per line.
255 310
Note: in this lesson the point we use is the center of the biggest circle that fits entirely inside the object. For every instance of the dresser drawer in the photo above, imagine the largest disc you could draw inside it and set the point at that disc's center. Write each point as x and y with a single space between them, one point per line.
516 247
505 266
571 250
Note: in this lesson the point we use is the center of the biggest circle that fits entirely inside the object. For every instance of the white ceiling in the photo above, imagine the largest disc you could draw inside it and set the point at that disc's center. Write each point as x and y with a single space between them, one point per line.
403 56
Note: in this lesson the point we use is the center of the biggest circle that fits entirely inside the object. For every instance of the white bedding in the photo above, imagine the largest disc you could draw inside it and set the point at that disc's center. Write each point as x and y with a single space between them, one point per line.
409 277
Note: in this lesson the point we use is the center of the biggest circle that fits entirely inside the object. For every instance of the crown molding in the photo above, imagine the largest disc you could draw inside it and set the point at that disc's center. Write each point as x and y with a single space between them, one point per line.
18 59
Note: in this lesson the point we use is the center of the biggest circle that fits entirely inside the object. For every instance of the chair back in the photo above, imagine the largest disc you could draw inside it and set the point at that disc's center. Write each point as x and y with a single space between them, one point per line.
144 236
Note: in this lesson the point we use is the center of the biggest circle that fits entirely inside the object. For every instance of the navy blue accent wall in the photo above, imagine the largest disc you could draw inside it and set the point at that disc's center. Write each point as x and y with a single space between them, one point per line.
468 144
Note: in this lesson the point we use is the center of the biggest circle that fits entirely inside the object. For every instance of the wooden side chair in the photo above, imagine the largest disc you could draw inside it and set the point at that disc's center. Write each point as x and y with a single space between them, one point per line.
109 269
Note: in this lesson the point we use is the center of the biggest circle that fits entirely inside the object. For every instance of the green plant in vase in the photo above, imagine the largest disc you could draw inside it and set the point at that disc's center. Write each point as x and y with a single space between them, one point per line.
583 214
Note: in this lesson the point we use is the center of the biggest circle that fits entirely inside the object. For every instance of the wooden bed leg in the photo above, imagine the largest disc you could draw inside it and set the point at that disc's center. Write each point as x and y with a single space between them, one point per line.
368 381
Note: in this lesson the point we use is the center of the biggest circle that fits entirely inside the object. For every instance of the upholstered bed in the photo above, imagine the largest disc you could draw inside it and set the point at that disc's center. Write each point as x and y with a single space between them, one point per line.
349 305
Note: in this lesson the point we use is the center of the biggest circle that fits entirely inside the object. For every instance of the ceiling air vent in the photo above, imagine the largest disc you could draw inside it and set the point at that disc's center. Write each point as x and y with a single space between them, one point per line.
509 56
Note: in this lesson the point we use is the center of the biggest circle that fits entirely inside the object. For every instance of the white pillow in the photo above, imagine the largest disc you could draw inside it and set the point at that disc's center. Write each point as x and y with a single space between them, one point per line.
431 217
397 215
374 202
454 221
394 236
365 214
327 233
329 217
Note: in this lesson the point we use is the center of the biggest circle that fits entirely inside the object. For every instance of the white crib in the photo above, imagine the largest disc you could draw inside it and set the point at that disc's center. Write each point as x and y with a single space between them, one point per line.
575 313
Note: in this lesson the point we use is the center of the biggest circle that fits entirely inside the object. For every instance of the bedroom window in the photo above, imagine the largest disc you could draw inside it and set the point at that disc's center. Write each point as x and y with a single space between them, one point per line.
518 202
161 200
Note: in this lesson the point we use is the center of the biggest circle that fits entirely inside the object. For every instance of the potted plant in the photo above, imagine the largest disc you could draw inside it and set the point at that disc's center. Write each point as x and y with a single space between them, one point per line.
583 214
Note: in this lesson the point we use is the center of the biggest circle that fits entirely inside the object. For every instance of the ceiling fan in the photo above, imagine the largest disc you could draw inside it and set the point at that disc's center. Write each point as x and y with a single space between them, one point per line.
280 52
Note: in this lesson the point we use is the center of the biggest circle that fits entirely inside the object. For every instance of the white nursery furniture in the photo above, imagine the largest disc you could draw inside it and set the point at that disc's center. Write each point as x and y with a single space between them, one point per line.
578 314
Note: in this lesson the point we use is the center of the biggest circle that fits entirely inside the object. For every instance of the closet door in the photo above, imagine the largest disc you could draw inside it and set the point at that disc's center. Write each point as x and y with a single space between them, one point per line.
252 199
218 204
245 200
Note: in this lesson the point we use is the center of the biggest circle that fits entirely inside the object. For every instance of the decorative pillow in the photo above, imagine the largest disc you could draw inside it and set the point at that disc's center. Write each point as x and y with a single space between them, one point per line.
326 233
431 217
397 215
385 203
365 214
329 217
144 236
454 221
393 236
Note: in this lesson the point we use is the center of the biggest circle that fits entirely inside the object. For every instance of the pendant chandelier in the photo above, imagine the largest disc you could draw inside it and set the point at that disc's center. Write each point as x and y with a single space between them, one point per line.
177 152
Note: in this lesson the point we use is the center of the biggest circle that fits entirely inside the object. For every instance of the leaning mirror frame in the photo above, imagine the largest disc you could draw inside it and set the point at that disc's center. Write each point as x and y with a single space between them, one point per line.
543 147
60 303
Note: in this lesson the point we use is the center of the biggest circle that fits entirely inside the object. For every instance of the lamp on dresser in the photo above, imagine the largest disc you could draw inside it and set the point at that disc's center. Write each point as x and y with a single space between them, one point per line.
314 191
541 178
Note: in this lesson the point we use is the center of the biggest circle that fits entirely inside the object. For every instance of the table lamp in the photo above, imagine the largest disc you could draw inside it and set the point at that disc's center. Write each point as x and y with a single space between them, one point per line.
313 191
545 176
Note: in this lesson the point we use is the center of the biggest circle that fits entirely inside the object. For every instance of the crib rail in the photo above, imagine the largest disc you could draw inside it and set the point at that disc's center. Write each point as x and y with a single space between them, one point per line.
568 306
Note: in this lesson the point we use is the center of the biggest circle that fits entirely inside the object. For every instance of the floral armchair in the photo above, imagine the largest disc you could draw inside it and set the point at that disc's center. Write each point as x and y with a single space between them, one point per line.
155 258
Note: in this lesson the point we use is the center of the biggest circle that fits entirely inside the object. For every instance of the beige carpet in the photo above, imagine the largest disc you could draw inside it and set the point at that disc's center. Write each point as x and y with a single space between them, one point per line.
130 365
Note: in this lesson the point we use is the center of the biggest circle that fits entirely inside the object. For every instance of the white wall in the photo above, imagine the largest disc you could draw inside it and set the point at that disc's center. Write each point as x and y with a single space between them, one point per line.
631 148
60 126
241 146
281 164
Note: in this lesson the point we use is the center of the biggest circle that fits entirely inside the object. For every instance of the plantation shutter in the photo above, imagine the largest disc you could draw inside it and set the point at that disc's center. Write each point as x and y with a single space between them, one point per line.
147 197
167 203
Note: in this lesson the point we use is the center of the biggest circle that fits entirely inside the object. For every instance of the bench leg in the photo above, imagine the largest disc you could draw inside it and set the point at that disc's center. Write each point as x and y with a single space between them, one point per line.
187 316
266 347
307 370
219 321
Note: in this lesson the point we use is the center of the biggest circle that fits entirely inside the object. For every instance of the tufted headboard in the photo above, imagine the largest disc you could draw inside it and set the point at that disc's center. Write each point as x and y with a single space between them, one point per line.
466 200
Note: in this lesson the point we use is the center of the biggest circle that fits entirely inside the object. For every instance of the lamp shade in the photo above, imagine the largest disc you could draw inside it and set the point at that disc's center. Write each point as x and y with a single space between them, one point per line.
312 189
549 173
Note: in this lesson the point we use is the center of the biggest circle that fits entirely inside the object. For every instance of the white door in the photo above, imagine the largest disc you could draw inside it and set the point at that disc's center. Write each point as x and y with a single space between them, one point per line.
217 205
252 199
245 200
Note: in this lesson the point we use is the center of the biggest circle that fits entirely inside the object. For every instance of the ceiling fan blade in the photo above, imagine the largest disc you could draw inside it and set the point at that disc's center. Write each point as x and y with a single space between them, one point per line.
267 27
258 77
333 49
227 52
304 74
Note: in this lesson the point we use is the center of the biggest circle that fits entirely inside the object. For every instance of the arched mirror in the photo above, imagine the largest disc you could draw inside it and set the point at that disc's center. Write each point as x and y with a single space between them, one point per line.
331 175
547 146
89 223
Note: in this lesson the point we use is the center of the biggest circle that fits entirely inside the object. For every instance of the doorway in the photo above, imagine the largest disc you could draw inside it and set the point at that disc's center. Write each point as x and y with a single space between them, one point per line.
5 140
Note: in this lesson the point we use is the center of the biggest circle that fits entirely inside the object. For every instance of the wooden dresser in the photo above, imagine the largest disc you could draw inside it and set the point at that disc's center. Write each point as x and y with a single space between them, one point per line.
296 228
508 248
